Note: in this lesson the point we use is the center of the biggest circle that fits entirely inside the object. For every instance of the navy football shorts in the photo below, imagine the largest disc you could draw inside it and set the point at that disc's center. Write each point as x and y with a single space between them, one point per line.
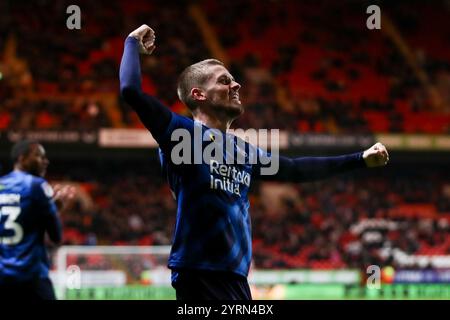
211 285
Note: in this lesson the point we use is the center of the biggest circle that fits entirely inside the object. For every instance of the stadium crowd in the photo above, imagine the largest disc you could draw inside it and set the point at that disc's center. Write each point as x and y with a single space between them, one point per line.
327 74
348 221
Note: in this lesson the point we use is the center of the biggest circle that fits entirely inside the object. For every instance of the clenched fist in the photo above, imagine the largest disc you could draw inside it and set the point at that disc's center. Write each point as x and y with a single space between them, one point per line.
146 37
376 156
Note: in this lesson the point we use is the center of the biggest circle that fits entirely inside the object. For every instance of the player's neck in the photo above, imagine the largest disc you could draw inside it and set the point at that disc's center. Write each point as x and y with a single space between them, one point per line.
19 167
213 122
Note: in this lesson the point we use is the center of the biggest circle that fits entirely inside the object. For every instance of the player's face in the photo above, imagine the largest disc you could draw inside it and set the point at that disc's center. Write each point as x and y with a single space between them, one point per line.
36 162
222 91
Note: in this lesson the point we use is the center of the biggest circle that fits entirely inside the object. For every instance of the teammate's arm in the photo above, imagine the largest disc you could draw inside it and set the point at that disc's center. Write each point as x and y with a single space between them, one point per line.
306 169
153 114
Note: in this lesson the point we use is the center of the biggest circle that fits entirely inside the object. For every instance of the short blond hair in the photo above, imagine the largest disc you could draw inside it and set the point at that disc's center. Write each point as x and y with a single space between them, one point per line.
195 75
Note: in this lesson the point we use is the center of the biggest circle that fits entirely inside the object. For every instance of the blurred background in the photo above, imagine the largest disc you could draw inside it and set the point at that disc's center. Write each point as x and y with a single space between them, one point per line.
309 68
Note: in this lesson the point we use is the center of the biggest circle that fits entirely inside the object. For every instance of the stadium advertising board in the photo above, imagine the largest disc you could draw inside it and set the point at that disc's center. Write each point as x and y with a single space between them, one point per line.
422 276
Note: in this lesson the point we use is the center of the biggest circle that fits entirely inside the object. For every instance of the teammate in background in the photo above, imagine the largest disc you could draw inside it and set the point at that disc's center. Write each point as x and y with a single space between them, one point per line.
211 249
28 210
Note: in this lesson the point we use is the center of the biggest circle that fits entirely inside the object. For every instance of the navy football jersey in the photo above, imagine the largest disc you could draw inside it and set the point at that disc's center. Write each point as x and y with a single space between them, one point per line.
213 228
27 212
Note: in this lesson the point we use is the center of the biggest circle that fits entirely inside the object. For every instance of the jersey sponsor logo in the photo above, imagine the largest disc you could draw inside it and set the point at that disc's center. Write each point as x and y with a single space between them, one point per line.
229 178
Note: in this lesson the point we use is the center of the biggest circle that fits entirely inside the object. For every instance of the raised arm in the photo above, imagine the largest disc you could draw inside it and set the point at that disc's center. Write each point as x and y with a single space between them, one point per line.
153 114
307 169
